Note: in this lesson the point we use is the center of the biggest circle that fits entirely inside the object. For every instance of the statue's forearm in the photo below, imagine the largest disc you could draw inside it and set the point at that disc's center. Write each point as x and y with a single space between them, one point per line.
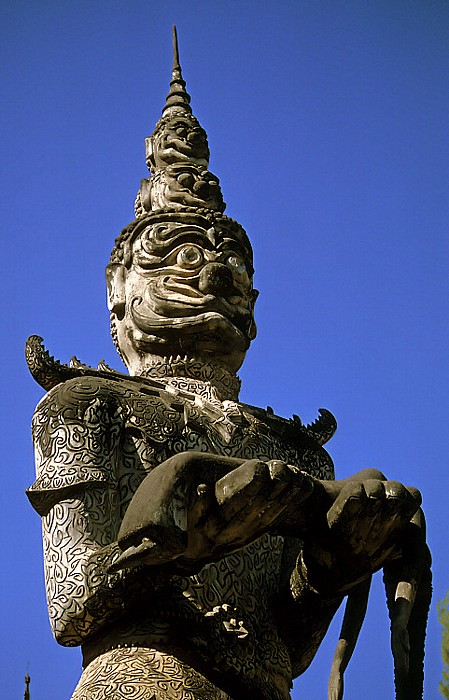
198 507
352 622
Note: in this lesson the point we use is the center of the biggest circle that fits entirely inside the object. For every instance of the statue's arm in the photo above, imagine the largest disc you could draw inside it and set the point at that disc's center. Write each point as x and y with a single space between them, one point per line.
408 587
355 611
79 544
78 434
224 513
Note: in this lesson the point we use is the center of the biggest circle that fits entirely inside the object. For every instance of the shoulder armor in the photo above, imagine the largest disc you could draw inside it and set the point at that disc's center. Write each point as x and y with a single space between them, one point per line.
320 431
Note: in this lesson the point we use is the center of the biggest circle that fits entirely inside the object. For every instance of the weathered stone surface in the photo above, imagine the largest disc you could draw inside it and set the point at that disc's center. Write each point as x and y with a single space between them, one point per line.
197 547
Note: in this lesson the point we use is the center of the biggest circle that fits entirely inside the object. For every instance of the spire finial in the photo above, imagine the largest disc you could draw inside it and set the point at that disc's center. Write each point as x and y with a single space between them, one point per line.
178 96
26 695
176 66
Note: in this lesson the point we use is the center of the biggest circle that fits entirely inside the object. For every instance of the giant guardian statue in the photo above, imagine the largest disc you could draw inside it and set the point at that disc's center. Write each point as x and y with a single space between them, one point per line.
196 547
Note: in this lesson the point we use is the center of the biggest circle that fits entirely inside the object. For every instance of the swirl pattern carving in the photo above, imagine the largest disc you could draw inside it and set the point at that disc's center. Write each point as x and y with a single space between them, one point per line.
96 439
144 674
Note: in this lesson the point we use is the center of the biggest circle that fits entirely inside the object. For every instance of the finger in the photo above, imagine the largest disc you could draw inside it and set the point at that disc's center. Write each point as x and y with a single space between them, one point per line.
395 509
415 493
291 484
132 556
279 470
403 502
374 490
244 481
348 504
370 523
387 513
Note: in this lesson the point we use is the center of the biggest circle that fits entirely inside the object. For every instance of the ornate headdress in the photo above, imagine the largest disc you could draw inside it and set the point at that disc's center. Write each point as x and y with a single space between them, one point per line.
180 184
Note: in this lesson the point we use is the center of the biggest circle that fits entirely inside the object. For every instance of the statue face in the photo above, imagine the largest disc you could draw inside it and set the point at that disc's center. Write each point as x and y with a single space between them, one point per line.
177 139
184 185
188 291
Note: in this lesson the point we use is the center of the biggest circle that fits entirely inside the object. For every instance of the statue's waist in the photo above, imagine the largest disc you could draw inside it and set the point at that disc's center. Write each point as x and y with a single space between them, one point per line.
237 660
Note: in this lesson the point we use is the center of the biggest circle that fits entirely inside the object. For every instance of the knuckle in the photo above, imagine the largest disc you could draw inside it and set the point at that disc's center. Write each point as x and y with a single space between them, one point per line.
374 488
394 489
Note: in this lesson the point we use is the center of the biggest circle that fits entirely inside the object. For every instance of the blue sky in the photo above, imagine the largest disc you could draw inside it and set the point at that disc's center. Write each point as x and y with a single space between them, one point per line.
327 124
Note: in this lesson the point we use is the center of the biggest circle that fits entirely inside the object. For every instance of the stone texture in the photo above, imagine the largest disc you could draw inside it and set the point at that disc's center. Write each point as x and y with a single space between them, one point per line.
197 547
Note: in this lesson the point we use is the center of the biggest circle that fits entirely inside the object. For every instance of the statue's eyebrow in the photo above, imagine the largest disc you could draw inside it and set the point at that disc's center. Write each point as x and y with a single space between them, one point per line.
163 248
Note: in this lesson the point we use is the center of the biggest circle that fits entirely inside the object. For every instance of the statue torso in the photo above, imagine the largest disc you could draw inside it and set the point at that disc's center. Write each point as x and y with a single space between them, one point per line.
115 432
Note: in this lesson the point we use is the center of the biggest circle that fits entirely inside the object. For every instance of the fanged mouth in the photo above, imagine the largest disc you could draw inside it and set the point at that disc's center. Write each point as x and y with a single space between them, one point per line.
210 325
174 303
180 288
236 304
184 147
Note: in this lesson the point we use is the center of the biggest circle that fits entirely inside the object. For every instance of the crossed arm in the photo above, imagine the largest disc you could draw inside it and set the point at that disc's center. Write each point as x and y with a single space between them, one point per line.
212 505
211 511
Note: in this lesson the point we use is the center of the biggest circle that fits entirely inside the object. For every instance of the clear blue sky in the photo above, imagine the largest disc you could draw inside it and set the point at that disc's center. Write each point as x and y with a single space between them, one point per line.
327 125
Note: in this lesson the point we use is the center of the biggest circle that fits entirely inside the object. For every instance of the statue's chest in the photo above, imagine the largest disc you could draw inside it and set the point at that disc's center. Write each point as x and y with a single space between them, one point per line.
159 429
160 426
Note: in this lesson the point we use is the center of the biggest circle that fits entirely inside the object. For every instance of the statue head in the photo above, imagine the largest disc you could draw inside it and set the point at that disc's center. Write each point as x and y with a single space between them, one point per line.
180 284
177 138
180 276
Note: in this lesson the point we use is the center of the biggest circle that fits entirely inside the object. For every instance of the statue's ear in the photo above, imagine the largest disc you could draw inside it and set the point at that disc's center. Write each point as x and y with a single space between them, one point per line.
115 280
149 149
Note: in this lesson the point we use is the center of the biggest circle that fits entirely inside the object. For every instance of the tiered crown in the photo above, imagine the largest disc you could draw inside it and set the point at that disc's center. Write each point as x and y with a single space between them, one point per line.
177 155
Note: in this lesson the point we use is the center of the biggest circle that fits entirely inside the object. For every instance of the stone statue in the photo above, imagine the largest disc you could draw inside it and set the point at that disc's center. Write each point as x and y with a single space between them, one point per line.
195 547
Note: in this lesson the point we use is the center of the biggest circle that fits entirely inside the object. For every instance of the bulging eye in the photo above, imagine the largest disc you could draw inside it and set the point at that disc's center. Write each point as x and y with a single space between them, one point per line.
236 264
190 256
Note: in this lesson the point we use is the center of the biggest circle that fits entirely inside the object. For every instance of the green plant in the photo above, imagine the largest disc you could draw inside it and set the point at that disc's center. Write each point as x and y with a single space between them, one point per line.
443 617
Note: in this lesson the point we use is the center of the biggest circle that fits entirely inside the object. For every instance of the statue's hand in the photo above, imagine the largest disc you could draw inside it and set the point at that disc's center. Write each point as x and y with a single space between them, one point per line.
364 526
254 498
335 686
198 507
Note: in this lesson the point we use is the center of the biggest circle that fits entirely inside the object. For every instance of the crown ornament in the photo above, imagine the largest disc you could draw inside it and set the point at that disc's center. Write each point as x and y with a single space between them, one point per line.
177 156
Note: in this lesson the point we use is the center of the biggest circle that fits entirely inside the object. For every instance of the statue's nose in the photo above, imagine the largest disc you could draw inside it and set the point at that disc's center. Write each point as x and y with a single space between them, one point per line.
216 279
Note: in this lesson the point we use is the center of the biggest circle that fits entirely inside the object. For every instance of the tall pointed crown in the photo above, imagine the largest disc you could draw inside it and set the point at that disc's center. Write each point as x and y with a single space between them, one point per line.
180 201
180 185
178 97
177 155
